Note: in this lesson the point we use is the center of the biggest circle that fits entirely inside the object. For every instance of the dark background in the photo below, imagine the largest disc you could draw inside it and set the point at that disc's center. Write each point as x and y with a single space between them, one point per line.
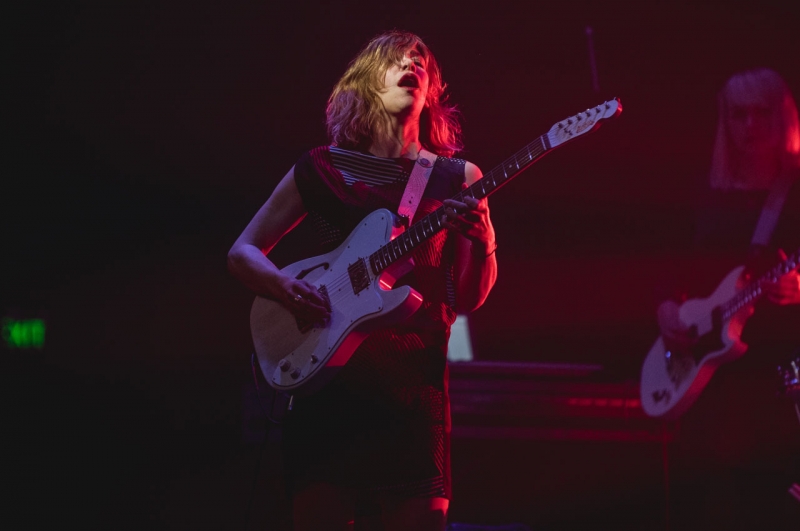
142 136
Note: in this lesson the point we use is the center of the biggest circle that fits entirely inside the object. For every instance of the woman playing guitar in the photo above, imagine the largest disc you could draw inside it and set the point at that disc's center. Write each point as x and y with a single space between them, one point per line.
373 444
738 446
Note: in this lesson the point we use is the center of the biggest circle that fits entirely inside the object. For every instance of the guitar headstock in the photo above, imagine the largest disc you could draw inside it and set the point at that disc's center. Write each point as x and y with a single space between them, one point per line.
583 122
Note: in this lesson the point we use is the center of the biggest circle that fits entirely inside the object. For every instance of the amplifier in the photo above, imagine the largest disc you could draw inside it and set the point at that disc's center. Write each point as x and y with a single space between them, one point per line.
548 401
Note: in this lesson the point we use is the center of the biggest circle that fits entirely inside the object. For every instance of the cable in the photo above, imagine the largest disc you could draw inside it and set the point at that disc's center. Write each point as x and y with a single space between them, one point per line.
268 417
255 482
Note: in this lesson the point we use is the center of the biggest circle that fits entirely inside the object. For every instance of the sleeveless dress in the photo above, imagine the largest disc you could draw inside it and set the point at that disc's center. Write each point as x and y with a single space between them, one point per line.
382 425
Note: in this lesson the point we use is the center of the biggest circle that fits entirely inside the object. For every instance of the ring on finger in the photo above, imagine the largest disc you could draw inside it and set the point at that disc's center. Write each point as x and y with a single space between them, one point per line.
298 298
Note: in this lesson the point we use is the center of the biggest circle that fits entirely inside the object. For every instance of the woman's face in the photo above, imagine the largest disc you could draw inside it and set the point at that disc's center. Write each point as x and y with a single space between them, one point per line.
405 86
752 128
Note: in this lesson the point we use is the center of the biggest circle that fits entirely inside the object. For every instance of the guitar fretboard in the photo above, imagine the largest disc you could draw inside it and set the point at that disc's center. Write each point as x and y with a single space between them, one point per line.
753 291
431 224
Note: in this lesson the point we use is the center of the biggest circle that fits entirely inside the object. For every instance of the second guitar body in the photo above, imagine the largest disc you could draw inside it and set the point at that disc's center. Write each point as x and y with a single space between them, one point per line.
671 381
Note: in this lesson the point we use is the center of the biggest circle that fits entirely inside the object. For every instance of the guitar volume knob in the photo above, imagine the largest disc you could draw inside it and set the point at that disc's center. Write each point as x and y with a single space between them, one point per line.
284 365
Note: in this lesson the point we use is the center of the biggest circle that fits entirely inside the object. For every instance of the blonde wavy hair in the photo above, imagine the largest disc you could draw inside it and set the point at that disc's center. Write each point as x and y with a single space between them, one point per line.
766 88
355 113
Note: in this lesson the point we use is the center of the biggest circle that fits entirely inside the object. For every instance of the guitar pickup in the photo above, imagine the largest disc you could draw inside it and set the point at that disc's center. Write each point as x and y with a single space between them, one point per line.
359 278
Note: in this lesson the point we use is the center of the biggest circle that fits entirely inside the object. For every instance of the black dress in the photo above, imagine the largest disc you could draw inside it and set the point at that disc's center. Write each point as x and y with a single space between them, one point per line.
382 425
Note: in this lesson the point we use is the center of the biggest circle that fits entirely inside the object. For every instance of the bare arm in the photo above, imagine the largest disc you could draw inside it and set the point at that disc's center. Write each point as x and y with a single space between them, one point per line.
476 264
248 262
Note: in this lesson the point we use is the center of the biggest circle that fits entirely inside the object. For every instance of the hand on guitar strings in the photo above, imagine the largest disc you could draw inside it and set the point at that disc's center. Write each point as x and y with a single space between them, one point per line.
786 289
304 300
471 219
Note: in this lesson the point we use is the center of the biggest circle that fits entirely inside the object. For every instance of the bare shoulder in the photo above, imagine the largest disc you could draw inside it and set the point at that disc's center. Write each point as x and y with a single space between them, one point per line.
472 173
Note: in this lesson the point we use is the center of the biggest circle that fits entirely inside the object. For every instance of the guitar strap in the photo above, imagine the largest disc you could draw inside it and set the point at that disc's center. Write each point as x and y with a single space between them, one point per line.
772 209
417 182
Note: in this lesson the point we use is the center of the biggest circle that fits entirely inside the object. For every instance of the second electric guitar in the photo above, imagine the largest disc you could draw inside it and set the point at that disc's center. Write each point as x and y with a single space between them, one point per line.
671 381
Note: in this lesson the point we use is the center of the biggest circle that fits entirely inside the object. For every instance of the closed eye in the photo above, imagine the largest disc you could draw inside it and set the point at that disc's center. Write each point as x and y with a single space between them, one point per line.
417 59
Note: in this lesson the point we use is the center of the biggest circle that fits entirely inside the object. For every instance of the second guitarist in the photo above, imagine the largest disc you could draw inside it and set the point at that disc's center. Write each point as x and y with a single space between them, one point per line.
739 442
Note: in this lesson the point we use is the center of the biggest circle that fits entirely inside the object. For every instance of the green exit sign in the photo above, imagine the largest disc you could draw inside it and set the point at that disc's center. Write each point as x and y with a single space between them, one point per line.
28 333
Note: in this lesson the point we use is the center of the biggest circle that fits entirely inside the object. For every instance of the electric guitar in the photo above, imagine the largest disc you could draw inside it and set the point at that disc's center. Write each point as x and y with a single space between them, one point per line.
671 381
357 277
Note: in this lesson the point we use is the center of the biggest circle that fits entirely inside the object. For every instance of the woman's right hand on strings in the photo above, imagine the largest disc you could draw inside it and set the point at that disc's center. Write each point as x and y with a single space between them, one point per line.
676 335
304 300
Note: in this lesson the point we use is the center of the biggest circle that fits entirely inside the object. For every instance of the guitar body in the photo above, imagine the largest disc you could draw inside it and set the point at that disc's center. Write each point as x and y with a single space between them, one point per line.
301 357
672 381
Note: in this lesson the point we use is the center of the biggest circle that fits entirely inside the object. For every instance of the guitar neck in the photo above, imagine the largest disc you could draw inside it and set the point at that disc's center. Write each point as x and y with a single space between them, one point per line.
753 291
422 230
561 133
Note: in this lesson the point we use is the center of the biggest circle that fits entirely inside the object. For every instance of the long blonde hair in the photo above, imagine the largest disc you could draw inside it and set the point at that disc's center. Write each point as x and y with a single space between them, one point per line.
355 113
766 88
